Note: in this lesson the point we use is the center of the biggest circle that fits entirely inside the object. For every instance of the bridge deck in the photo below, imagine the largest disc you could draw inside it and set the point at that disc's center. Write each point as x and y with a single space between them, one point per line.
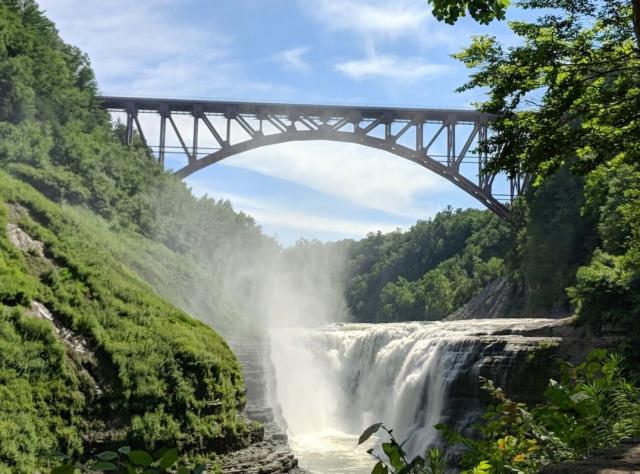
315 110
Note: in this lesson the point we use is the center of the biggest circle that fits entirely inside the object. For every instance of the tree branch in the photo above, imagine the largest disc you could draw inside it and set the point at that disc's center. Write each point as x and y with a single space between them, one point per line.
635 5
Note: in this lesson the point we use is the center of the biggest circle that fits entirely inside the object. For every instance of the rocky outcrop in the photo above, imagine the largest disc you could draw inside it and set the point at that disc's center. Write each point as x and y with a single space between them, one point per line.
493 301
272 454
621 459
261 458
520 360
499 299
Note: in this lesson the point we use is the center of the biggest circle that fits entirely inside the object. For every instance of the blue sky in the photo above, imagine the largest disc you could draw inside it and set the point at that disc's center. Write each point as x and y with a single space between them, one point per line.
382 52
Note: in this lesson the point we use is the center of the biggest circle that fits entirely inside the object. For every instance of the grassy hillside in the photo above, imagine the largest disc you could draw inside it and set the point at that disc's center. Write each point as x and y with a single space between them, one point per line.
116 362
179 278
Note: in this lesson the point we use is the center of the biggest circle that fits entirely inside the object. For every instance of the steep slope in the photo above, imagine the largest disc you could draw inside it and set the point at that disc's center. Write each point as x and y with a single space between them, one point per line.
89 355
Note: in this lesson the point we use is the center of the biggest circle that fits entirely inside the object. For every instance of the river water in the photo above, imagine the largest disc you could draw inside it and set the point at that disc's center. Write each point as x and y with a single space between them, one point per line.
334 381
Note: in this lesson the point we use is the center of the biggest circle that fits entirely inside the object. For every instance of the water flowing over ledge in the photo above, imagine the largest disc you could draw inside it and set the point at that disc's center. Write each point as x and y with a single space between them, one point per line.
334 381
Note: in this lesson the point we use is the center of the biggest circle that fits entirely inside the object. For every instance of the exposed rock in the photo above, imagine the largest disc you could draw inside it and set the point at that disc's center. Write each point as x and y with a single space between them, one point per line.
492 302
520 361
261 458
498 300
23 241
77 344
621 459
272 454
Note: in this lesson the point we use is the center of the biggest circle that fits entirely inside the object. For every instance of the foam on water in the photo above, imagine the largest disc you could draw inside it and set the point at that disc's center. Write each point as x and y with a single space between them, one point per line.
334 381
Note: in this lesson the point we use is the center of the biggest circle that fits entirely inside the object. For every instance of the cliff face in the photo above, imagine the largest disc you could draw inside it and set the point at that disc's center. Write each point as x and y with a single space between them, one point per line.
520 360
499 299
270 453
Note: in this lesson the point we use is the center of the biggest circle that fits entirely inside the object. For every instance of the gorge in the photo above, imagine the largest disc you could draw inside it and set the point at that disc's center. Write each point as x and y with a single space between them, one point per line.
148 327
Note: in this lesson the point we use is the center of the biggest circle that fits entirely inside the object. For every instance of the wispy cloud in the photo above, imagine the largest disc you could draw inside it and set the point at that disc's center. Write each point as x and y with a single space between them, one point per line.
291 59
143 48
391 67
275 215
369 177
373 18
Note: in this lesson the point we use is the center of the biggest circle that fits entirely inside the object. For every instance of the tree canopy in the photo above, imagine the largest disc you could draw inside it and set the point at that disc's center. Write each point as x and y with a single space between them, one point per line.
568 97
483 11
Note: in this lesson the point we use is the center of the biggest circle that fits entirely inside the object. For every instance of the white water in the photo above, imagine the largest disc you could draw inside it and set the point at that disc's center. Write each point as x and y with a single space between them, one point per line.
334 381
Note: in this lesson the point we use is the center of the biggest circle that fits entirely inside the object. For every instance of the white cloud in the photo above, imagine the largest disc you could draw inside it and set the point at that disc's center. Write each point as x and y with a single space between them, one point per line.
276 215
375 22
143 48
391 67
366 176
378 18
291 59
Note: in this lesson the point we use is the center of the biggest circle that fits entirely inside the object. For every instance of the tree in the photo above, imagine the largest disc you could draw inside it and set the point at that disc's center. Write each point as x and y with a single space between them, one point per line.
568 97
570 90
483 11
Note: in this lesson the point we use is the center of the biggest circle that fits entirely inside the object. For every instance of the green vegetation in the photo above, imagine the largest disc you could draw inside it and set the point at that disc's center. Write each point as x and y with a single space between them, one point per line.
396 459
483 11
428 271
54 135
593 406
569 99
161 461
89 355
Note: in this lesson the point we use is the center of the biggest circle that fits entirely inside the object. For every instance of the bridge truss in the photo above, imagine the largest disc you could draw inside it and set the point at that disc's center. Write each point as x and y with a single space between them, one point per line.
443 141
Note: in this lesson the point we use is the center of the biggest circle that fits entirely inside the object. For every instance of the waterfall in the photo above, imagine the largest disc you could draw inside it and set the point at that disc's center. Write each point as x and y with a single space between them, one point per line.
412 375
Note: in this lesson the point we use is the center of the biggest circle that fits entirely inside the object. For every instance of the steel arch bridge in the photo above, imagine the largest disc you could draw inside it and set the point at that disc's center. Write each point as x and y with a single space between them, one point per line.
406 132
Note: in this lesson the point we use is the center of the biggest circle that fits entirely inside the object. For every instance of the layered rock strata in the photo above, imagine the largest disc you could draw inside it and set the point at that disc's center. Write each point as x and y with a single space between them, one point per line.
271 454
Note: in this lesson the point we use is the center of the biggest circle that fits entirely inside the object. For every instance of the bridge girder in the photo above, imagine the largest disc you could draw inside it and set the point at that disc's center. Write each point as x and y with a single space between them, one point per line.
376 127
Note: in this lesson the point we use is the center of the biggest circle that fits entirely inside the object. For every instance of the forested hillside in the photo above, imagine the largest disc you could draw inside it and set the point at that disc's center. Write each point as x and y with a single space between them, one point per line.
428 271
54 136
89 355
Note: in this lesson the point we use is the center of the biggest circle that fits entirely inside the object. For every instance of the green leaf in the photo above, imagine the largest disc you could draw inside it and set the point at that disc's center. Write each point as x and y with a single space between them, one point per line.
65 469
104 466
184 470
140 458
380 468
393 451
107 456
366 434
168 459
199 469
158 453
124 449
579 397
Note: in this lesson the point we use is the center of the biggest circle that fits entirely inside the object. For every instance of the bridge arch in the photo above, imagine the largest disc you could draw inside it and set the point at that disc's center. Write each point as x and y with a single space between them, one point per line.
298 122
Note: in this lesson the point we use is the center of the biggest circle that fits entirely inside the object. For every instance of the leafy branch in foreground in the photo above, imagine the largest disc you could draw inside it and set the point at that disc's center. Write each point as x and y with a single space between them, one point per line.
396 461
126 460
483 11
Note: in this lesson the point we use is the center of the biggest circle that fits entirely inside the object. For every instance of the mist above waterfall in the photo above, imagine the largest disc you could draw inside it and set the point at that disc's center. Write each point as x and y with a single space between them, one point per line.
301 286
